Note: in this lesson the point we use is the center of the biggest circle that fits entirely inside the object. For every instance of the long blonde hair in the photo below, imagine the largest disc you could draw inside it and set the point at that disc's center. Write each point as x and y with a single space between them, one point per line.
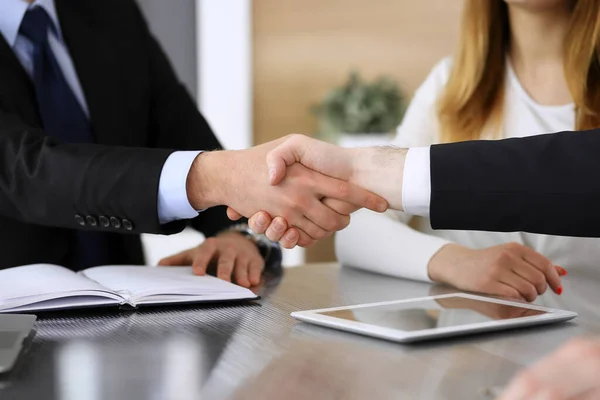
473 97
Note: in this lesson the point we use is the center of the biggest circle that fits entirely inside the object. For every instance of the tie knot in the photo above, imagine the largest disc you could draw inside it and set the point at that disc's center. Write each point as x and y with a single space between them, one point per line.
35 25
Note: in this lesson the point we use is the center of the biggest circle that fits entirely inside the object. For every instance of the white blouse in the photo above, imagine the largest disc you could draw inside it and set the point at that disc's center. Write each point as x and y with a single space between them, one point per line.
386 244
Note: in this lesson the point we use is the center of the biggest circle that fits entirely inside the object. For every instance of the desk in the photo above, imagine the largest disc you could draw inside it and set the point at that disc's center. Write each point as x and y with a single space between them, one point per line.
257 351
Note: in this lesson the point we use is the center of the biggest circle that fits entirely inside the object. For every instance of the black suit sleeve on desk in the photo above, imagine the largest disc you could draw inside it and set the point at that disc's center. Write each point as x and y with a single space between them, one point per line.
542 184
46 183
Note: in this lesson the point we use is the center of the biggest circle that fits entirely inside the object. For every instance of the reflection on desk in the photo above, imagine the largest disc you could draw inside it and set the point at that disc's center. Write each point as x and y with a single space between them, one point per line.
224 352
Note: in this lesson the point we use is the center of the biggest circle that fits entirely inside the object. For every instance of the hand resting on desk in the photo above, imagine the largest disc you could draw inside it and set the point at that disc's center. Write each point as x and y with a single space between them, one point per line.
509 270
234 256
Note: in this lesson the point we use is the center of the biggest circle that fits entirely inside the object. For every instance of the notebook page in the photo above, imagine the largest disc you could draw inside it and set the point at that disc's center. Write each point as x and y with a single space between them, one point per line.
39 282
81 301
135 282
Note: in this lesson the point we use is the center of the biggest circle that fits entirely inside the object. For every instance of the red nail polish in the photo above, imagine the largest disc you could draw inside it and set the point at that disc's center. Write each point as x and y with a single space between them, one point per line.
559 290
561 271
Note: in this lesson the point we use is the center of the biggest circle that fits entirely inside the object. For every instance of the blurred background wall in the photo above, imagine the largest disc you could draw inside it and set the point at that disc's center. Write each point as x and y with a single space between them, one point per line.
303 48
173 23
257 66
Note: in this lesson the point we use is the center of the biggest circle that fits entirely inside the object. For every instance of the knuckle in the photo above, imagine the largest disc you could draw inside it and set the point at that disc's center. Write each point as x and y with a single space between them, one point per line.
540 283
319 234
496 270
542 287
503 257
295 137
343 190
530 293
330 224
298 204
513 246
484 284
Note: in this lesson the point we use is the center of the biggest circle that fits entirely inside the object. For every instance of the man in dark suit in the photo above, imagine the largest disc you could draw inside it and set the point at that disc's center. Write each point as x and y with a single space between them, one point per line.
89 108
545 184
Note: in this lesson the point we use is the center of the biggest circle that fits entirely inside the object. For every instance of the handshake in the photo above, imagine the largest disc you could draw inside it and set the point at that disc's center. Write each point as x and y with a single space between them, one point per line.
296 189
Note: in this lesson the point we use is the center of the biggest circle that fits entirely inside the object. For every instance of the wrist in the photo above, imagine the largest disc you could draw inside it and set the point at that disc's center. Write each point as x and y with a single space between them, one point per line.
380 170
262 243
204 184
442 266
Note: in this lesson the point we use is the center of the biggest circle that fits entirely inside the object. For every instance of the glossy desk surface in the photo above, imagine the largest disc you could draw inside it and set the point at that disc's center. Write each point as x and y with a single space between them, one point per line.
257 351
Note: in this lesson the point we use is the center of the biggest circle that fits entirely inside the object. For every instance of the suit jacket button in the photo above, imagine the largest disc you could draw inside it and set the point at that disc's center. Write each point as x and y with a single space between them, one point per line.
104 222
91 221
79 220
115 222
127 224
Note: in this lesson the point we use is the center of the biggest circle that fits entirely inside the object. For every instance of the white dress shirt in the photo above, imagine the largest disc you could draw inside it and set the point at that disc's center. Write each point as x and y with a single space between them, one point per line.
403 243
173 202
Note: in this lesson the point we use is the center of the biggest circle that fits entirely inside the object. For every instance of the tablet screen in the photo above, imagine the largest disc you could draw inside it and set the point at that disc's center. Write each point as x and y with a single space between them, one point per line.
430 314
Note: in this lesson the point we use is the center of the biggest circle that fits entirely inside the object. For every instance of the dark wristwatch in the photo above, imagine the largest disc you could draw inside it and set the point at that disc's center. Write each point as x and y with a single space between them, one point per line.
267 248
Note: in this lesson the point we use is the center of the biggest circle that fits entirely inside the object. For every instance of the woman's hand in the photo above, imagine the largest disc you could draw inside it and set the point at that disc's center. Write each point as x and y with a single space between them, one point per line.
572 372
509 270
234 255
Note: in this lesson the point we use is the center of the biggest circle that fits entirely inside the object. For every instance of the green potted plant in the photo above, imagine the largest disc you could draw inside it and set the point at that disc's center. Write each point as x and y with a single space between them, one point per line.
359 113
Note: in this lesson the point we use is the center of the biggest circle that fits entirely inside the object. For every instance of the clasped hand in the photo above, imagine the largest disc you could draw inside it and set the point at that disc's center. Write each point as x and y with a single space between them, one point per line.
307 205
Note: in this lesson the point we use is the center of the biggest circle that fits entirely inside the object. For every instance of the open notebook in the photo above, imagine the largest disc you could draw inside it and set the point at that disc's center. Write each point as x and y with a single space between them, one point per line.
41 287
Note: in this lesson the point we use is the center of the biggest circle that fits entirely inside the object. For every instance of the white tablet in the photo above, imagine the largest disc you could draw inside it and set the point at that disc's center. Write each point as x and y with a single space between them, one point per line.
433 317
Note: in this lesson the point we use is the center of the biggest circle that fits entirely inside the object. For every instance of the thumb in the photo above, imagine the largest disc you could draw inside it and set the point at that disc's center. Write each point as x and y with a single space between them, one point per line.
287 153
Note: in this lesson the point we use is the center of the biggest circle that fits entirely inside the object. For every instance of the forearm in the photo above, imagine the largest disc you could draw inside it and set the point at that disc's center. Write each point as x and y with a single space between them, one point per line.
47 183
208 182
380 170
377 243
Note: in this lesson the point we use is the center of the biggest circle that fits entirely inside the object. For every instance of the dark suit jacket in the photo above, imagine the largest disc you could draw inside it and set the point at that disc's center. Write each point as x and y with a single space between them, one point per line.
138 110
542 184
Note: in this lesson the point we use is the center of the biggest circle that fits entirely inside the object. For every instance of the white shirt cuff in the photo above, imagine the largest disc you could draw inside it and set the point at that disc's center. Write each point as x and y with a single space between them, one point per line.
173 201
416 182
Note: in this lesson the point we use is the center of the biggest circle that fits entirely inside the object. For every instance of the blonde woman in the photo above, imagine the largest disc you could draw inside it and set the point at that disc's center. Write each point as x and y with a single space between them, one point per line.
524 67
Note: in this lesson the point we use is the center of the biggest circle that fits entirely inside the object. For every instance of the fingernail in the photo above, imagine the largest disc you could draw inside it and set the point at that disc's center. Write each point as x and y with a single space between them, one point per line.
278 226
382 206
261 220
559 290
271 174
561 271
291 236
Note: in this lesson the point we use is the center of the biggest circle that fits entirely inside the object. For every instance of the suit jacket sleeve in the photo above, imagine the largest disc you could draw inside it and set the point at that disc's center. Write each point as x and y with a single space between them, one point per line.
177 123
546 184
47 183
